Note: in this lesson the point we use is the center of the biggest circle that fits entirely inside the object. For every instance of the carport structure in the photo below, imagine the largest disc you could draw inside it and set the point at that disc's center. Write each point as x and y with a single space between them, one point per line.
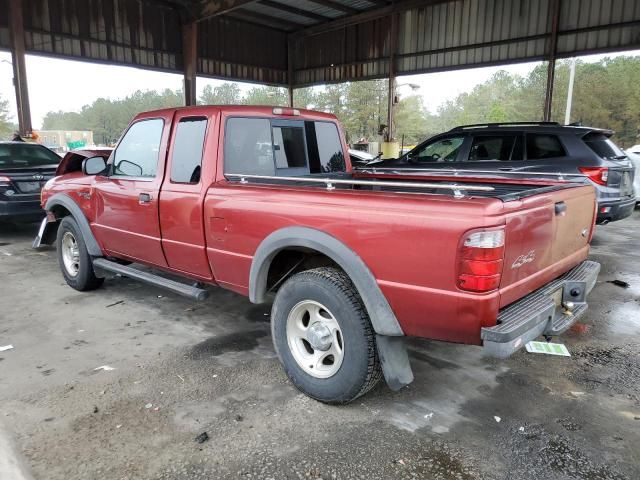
299 43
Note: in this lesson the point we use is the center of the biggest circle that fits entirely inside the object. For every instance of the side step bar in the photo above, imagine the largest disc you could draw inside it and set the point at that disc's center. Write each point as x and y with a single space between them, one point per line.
151 279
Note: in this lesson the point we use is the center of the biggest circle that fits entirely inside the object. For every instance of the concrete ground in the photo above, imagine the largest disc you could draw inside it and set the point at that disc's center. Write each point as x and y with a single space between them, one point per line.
182 368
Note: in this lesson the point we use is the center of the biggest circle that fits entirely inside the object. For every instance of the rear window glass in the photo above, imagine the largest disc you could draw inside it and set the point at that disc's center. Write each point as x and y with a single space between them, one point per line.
325 147
540 146
493 147
289 147
261 146
16 155
603 146
247 146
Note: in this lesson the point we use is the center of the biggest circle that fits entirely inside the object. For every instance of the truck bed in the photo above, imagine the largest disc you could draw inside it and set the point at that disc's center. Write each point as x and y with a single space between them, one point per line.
502 189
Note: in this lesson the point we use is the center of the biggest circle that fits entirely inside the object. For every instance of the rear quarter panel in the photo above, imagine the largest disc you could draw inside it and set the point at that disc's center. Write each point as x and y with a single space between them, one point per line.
409 243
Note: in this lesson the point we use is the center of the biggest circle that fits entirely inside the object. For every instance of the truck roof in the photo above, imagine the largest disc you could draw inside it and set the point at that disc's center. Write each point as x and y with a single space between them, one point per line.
254 110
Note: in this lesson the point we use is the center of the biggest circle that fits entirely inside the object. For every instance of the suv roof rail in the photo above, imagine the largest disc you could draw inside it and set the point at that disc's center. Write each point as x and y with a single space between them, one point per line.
504 124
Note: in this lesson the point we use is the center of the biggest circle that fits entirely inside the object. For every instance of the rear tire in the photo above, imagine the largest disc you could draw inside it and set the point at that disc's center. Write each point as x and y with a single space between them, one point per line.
74 259
323 336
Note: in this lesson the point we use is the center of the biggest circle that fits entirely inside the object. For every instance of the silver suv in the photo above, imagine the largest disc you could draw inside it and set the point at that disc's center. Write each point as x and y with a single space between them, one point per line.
581 153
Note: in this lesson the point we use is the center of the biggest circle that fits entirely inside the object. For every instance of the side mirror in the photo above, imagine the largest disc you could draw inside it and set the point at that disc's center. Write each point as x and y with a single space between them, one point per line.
93 165
130 169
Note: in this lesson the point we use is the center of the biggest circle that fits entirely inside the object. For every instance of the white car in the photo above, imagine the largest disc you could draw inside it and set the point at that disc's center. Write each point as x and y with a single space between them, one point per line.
633 154
360 158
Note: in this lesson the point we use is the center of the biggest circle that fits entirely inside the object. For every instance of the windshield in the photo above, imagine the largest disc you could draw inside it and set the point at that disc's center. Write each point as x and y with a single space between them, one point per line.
17 155
603 146
444 150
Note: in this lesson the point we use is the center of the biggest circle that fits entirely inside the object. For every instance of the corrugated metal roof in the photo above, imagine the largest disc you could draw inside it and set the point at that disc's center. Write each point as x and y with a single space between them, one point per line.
248 40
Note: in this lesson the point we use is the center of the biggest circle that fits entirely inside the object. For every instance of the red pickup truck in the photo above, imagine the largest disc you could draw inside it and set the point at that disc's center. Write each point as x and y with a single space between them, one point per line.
263 201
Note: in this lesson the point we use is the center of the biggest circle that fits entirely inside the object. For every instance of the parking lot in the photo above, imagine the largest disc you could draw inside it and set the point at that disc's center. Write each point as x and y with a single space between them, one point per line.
173 369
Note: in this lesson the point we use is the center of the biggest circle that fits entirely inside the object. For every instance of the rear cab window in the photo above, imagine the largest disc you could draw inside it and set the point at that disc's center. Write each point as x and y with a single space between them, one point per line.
274 147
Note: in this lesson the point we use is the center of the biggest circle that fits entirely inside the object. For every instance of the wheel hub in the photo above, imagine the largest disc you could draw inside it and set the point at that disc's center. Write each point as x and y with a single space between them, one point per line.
315 339
319 336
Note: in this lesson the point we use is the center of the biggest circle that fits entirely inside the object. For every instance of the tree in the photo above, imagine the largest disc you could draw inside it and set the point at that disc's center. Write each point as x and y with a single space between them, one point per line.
275 96
6 127
225 94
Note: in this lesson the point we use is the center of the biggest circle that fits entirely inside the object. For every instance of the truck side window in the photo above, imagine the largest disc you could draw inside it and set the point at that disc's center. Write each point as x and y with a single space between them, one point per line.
541 146
186 162
137 152
247 146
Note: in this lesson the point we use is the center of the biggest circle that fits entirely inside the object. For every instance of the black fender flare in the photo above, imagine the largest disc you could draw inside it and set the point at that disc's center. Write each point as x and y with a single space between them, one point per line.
78 215
383 319
392 351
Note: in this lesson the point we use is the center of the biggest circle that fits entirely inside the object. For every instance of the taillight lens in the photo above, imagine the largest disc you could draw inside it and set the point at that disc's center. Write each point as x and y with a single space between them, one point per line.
4 181
480 261
599 175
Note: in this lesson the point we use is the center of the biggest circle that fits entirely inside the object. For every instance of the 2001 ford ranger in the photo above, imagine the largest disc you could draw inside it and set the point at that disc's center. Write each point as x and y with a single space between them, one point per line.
263 201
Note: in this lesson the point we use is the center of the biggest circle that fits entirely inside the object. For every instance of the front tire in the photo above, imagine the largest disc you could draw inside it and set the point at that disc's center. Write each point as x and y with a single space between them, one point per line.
74 259
323 336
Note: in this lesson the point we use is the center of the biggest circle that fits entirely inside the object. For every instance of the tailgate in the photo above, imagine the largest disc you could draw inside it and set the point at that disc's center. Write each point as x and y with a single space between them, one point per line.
545 237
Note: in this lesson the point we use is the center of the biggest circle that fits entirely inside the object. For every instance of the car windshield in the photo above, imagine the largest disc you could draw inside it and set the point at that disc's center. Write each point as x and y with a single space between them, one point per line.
17 155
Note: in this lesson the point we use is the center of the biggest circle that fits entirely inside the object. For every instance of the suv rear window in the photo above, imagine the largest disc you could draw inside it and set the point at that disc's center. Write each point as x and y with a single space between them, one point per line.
603 146
540 146
16 155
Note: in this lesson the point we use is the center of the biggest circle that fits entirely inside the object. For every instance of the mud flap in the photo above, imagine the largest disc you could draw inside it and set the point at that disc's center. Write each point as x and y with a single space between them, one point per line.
395 361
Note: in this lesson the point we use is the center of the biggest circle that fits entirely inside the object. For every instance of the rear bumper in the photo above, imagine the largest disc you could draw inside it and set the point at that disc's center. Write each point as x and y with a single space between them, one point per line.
23 210
542 312
617 210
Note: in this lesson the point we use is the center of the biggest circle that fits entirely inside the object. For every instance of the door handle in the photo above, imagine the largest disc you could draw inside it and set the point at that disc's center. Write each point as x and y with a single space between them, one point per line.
144 198
506 169
560 208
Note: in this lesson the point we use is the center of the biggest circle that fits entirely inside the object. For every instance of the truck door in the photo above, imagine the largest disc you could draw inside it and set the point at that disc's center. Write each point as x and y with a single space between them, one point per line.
183 191
126 200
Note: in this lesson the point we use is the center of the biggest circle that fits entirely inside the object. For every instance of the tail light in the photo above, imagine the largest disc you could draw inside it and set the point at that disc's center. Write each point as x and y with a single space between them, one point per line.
480 260
5 181
599 175
286 111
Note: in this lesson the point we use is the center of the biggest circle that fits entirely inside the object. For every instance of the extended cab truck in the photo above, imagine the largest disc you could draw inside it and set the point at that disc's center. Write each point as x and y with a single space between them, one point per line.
262 201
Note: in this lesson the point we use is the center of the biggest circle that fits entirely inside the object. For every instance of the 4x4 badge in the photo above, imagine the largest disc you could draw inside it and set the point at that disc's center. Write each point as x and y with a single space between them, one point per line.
524 259
37 176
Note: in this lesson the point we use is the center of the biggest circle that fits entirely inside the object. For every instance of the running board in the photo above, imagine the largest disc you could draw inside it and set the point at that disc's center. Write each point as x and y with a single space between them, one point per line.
151 279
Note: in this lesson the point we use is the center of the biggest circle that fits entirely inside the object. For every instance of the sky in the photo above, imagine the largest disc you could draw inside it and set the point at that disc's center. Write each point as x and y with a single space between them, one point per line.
68 85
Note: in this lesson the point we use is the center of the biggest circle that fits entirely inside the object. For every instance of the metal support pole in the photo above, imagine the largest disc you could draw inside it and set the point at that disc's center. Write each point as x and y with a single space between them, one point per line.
393 41
190 60
572 78
16 24
290 73
551 67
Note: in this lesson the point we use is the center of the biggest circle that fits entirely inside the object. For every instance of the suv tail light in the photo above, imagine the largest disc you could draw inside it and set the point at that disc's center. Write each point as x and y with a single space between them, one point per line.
480 260
600 175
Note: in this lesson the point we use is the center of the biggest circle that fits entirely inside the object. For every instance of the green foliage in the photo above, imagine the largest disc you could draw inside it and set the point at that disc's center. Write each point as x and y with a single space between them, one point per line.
606 94
6 127
225 94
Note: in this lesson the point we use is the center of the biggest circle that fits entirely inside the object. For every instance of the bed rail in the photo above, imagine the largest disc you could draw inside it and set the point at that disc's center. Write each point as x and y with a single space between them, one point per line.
330 183
457 172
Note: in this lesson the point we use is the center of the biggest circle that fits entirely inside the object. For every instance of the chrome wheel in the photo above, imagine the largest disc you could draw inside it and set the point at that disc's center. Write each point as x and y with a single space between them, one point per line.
70 254
315 339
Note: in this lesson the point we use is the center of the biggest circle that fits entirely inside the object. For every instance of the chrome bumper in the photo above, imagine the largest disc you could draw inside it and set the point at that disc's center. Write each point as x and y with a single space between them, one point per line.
550 310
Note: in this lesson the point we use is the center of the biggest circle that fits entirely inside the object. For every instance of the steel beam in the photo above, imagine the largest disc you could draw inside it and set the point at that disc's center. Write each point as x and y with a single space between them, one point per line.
551 58
16 24
393 45
290 70
190 61
336 6
212 8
